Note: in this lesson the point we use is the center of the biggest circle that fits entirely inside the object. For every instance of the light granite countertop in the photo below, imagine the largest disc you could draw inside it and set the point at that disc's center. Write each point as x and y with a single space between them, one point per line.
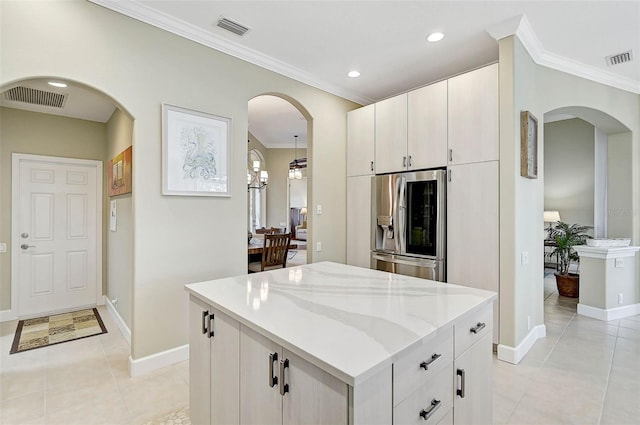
349 321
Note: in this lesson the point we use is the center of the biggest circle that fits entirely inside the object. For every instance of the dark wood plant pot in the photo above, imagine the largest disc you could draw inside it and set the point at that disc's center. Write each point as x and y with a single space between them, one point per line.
568 285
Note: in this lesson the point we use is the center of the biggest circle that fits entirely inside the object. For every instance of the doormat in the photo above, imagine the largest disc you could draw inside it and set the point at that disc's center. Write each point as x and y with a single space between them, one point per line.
50 330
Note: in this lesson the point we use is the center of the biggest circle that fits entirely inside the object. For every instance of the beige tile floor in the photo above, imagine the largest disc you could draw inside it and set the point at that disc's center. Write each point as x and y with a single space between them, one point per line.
584 372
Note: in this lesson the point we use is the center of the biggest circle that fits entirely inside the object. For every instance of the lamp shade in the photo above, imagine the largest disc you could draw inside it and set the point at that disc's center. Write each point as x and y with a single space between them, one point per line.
551 216
303 210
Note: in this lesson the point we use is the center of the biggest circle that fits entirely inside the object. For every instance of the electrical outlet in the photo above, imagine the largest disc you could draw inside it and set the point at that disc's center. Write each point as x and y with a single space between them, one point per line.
620 298
524 258
319 246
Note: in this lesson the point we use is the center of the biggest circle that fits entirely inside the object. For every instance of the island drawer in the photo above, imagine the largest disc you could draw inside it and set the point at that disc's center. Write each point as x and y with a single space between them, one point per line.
472 328
420 365
429 403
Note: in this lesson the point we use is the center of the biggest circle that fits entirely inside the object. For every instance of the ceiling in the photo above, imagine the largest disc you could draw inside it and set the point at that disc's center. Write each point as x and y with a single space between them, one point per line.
318 42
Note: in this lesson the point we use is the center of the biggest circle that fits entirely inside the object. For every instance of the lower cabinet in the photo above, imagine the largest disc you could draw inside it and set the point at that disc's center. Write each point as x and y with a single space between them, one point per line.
279 387
238 376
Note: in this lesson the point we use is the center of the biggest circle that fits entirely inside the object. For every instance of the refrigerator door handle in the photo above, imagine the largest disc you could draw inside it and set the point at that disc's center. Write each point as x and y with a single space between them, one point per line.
431 264
402 217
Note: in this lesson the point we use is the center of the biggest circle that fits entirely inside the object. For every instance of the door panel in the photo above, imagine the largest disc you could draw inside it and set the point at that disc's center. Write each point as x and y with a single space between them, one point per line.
57 234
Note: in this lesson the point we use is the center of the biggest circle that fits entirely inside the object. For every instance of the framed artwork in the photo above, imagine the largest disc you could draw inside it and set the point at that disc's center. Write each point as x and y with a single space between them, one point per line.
119 173
196 153
528 145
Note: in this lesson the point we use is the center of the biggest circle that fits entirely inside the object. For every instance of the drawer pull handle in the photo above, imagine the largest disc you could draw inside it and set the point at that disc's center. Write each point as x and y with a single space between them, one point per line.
284 388
211 331
426 414
273 380
461 373
425 365
477 328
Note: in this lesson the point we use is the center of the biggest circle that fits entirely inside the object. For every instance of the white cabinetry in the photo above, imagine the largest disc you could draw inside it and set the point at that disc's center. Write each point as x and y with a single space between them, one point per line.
427 127
359 221
472 401
473 116
472 227
213 365
361 139
278 387
391 134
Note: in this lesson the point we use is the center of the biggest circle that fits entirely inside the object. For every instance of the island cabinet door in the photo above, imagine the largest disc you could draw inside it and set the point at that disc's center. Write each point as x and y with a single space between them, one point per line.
260 399
312 395
199 362
472 402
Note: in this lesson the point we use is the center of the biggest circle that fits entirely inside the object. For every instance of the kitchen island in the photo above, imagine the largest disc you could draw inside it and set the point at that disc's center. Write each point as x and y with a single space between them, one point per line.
337 344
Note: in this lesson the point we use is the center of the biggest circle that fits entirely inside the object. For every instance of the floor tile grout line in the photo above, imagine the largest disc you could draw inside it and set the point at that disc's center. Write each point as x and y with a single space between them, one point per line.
606 387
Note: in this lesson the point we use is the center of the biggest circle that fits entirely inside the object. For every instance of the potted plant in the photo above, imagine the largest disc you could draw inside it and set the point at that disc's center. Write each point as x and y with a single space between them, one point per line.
566 236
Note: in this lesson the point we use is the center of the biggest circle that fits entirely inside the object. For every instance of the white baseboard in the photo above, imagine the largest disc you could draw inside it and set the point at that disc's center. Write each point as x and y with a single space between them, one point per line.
156 361
514 355
126 332
609 313
8 315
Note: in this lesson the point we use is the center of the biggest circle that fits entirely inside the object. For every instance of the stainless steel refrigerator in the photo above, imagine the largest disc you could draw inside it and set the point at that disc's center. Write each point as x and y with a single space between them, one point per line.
409 223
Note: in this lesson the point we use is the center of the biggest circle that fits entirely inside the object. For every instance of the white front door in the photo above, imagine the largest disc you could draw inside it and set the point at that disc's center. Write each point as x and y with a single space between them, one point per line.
56 233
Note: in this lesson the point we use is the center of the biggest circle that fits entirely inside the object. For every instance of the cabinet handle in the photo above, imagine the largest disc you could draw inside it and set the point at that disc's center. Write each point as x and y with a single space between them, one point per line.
449 175
273 380
211 317
371 165
284 388
450 155
425 365
204 322
409 160
426 414
404 162
477 328
461 373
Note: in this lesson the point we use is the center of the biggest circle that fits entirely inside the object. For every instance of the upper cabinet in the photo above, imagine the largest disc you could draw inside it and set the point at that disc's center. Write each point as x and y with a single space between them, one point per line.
411 130
473 116
360 145
427 127
391 134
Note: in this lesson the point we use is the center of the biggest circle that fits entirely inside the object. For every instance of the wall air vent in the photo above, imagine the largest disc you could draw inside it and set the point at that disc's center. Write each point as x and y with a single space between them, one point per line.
35 97
619 58
234 27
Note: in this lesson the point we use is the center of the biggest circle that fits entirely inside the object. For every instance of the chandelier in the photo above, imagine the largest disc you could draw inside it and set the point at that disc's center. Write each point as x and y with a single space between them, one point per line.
257 179
296 166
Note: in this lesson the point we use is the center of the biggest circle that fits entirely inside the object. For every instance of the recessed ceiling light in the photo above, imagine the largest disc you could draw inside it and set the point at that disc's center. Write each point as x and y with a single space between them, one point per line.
353 74
436 36
55 84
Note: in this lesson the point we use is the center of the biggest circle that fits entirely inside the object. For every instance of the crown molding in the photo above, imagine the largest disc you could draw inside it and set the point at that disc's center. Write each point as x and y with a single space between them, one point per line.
520 27
168 23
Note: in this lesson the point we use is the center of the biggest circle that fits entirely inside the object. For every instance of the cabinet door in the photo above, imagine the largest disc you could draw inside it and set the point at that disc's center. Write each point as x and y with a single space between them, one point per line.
359 221
314 396
476 405
427 127
472 228
225 369
199 363
360 141
260 403
391 134
473 116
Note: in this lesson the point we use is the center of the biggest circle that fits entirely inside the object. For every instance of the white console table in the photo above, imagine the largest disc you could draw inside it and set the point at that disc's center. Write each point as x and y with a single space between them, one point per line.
608 282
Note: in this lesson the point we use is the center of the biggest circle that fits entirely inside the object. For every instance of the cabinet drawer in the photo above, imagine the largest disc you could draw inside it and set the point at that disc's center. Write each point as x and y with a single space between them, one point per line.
419 366
472 328
429 403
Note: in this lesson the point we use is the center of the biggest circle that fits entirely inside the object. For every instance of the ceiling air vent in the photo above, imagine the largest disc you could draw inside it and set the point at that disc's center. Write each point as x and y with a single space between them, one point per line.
619 58
35 97
233 27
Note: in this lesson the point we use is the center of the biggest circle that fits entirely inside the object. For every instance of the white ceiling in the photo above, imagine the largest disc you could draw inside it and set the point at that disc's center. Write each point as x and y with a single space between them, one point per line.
274 122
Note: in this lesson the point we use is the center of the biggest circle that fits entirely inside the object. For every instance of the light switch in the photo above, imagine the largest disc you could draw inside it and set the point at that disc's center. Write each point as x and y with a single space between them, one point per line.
3 247
524 258
318 209
319 246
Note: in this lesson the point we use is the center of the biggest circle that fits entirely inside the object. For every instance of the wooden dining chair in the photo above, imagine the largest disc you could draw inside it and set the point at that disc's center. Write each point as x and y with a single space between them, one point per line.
274 253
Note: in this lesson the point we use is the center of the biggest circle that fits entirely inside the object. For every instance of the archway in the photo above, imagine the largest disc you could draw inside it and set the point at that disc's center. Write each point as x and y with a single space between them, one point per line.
280 131
587 175
71 120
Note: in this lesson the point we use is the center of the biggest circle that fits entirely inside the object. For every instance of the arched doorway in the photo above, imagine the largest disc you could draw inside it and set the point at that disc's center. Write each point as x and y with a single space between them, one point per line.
280 133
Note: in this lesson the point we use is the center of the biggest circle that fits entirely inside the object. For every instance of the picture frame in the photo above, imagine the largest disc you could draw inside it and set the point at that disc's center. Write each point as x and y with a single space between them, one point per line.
196 153
528 145
119 173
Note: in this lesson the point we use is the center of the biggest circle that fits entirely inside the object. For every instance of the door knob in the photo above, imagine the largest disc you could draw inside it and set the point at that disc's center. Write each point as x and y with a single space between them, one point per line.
24 235
26 246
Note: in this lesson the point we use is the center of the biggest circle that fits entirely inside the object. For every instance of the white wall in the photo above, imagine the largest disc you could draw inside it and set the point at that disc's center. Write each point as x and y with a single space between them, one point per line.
569 170
177 240
601 176
620 193
525 85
